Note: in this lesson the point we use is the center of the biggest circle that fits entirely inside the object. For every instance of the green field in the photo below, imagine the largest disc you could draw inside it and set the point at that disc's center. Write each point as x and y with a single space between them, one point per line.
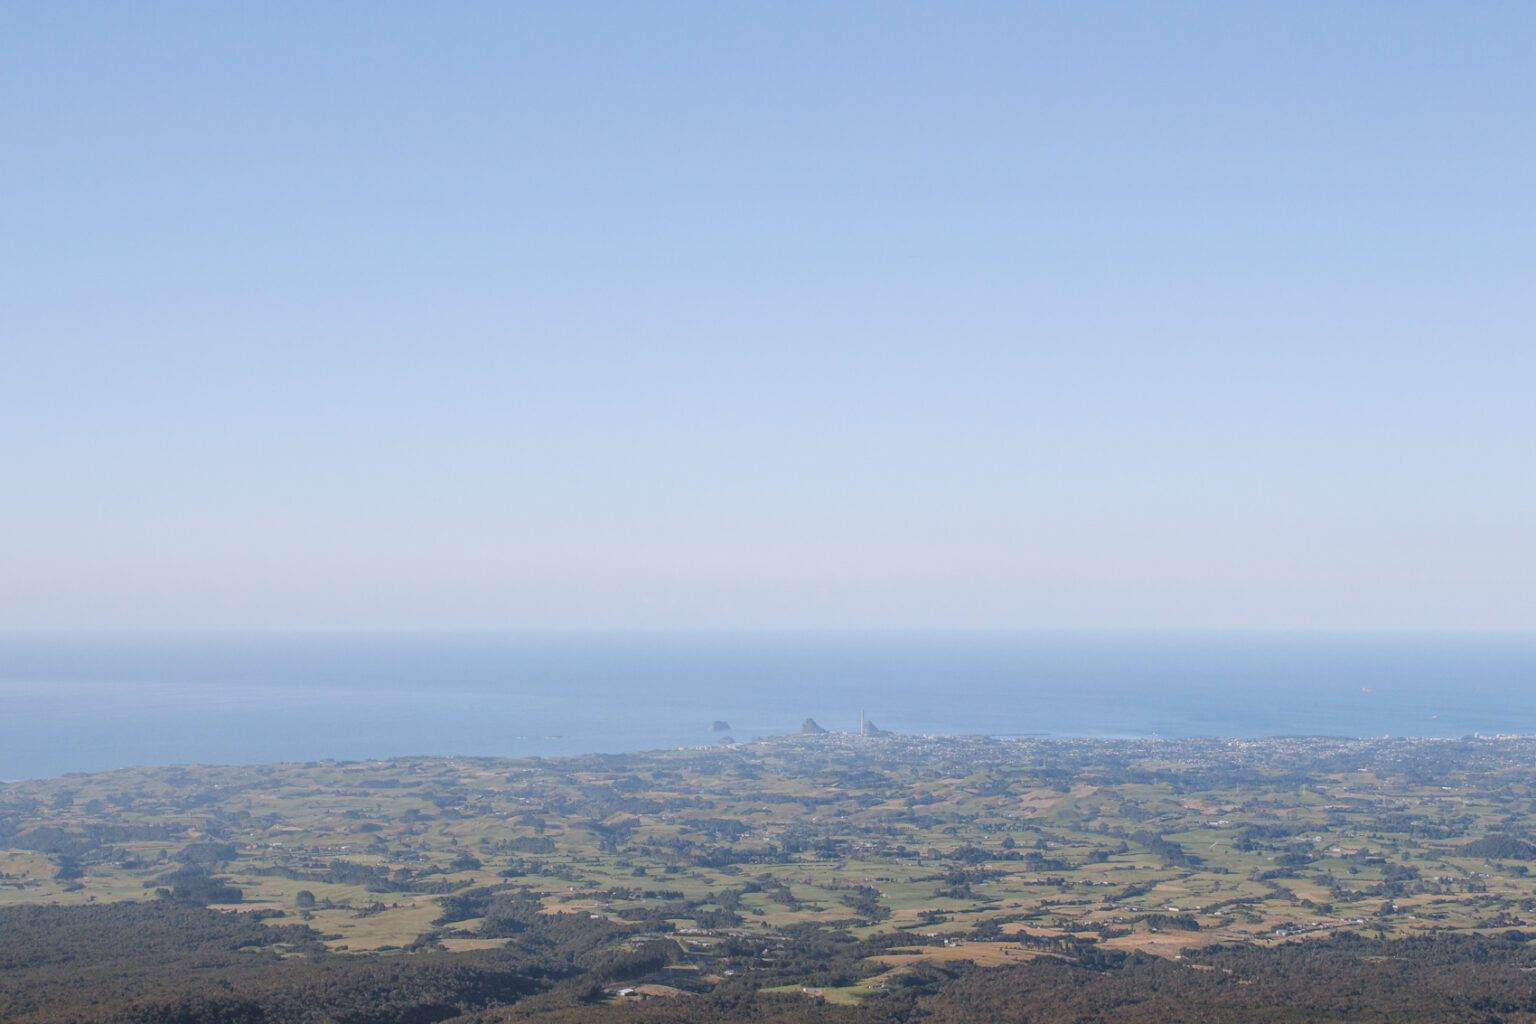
1033 845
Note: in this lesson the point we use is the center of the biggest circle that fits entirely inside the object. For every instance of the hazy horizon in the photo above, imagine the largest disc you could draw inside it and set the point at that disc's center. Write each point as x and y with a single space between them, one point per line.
91 702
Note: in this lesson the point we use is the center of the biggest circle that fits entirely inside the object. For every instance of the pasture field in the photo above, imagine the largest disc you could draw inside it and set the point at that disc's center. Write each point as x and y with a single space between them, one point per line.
969 848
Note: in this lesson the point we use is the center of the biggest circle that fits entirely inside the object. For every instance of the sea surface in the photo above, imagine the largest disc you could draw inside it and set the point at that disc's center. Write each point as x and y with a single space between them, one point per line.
85 703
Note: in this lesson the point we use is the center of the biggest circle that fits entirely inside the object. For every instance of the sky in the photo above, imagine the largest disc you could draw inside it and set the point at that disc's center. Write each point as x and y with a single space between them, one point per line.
644 315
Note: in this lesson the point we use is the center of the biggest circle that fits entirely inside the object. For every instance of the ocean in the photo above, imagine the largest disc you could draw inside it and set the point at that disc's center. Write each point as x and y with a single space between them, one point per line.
72 703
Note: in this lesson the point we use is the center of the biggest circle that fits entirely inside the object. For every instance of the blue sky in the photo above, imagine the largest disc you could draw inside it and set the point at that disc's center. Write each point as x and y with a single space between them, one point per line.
1161 315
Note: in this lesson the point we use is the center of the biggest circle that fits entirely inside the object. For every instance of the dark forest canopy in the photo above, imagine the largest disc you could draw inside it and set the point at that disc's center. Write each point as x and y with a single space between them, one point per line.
148 963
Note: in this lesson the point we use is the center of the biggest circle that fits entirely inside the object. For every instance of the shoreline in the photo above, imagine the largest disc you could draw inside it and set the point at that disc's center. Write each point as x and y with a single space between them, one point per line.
888 739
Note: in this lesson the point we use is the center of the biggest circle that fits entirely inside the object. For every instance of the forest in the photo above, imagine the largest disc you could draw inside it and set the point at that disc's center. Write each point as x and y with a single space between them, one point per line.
165 962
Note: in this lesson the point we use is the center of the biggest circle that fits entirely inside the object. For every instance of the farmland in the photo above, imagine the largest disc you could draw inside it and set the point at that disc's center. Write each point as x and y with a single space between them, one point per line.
970 848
